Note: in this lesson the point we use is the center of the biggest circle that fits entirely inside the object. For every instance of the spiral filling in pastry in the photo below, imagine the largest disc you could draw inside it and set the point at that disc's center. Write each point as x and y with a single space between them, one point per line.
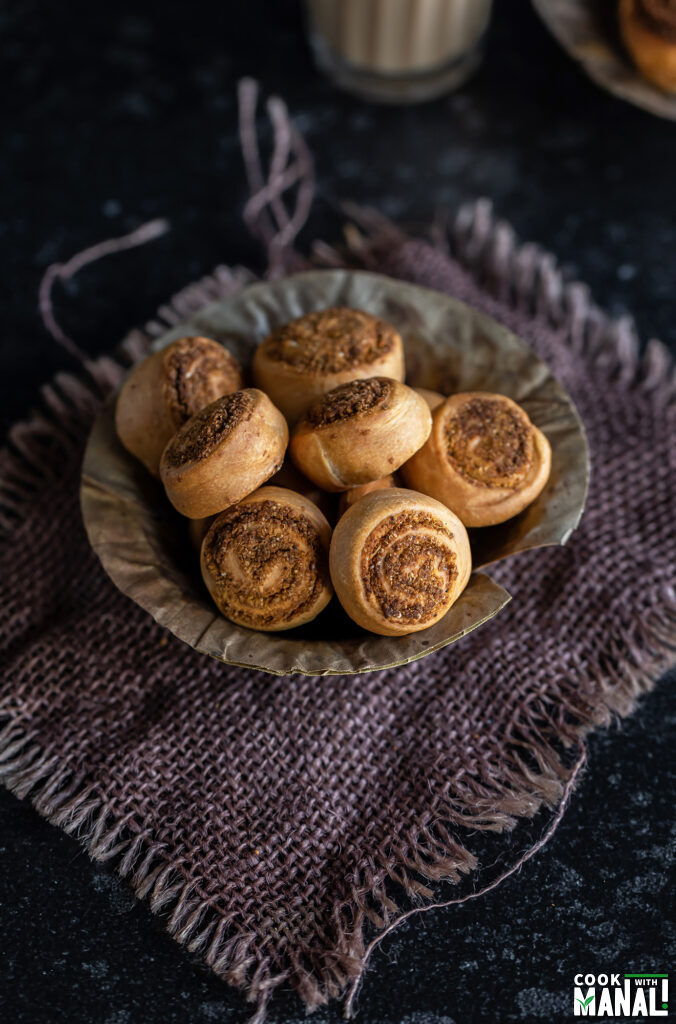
408 565
208 428
330 341
660 17
197 371
489 443
348 401
267 562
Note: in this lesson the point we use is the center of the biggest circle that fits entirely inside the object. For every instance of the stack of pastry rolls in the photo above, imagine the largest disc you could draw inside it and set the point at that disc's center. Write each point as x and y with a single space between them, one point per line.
257 472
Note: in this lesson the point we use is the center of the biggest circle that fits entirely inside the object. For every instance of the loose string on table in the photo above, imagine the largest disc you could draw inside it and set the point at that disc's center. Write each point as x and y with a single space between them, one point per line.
265 213
526 856
64 271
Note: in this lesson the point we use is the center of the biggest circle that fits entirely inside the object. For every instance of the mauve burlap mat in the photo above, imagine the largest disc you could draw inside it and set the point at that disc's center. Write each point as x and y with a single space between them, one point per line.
277 822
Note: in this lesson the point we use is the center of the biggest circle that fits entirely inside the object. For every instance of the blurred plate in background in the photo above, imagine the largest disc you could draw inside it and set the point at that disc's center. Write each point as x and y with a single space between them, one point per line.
588 30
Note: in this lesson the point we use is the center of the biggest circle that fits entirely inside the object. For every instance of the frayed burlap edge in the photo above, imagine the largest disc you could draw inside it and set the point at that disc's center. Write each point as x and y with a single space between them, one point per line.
528 279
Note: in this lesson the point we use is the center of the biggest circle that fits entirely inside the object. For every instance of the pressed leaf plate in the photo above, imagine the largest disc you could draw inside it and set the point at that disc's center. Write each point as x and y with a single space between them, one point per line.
142 543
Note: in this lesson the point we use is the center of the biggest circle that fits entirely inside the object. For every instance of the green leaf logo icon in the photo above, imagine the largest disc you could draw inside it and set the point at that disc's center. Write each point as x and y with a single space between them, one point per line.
584 1002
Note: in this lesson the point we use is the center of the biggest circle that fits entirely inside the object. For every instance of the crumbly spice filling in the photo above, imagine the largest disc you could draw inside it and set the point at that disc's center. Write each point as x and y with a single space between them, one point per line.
408 565
202 434
330 341
197 371
268 563
660 17
349 401
490 443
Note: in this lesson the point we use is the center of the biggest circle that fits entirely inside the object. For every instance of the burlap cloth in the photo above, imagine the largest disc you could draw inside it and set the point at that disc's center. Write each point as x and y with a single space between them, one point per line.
279 824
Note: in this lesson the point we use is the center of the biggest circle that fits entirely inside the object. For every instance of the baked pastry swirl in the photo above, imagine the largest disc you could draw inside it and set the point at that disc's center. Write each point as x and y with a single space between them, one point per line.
223 453
433 398
353 494
315 353
265 560
166 389
399 560
359 432
197 530
293 480
648 29
484 458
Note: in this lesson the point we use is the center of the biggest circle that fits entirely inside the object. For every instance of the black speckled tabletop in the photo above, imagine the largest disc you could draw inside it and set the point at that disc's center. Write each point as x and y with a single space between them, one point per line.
117 115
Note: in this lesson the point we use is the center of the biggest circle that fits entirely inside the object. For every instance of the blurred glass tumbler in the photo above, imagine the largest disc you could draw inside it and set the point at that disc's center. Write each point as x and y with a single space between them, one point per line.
398 51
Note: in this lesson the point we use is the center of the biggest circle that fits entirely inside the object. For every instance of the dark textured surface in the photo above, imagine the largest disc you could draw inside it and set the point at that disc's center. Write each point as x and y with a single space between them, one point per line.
116 120
76 946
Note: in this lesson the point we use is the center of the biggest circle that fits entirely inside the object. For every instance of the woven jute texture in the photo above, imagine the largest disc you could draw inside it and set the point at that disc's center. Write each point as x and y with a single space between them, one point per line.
281 824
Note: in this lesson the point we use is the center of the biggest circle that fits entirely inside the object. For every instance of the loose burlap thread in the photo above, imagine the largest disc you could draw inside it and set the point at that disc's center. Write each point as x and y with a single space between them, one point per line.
282 826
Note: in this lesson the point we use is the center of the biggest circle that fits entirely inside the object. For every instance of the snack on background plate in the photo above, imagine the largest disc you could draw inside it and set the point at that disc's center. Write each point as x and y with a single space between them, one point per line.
589 32
648 29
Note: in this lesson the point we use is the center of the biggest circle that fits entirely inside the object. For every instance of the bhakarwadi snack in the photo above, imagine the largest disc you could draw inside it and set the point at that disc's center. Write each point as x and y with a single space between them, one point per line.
484 459
399 557
265 560
315 353
648 28
399 560
166 389
197 530
292 479
359 432
224 453
433 398
353 494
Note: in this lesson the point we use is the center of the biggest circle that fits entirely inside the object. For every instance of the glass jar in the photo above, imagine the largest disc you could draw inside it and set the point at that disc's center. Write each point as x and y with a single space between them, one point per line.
398 51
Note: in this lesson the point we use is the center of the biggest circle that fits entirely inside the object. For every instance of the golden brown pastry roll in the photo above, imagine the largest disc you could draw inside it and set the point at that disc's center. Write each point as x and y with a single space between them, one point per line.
166 389
433 398
197 530
223 453
648 29
484 458
399 560
293 480
359 432
265 560
315 353
354 494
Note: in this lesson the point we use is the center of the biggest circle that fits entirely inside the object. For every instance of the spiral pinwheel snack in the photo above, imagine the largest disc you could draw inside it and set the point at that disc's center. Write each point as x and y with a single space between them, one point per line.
223 453
359 432
260 508
399 560
166 389
353 494
484 458
265 560
433 398
309 356
648 29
